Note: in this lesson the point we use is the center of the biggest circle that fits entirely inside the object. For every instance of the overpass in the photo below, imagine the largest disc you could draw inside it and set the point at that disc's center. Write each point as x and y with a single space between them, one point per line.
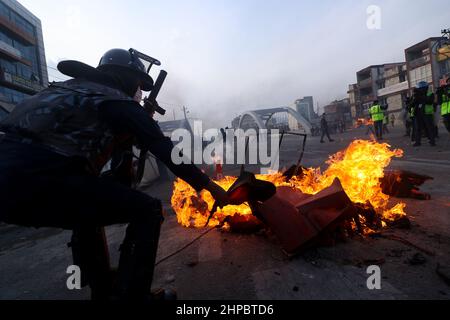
262 117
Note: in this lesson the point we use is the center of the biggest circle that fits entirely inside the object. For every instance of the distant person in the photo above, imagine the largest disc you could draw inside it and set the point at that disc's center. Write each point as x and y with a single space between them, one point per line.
385 124
423 104
443 94
406 117
324 128
392 120
377 115
412 116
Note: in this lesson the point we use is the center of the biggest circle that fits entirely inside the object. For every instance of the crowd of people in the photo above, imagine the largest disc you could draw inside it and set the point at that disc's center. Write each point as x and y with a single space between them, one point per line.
424 110
421 116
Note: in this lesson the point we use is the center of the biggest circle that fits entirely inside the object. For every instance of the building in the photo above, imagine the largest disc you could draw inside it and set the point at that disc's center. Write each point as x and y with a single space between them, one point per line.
354 99
305 107
339 111
394 88
425 62
23 68
386 83
369 81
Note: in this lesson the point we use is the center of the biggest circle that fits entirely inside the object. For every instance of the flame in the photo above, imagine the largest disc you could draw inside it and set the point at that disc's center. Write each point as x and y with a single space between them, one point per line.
359 168
363 122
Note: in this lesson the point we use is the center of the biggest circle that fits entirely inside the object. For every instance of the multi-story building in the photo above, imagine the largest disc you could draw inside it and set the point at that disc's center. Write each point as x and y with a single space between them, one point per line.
425 63
23 68
305 107
354 99
369 81
386 83
339 111
394 88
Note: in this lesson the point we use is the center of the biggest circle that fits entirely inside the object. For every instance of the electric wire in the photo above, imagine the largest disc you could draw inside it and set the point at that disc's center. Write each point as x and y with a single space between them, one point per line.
185 247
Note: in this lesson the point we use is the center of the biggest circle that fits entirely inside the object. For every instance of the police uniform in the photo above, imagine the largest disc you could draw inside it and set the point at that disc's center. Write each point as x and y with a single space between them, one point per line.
444 100
423 115
55 146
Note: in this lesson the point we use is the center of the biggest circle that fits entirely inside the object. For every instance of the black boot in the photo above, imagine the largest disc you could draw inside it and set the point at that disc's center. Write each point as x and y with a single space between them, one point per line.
91 255
138 256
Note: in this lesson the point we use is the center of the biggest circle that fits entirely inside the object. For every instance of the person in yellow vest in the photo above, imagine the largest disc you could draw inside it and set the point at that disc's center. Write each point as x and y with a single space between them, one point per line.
424 108
444 100
377 115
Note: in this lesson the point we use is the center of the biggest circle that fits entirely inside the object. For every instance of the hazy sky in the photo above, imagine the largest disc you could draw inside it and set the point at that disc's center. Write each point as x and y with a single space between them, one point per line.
225 57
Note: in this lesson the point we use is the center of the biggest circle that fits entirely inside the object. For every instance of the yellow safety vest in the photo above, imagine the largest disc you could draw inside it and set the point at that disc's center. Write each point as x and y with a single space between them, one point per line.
445 106
376 113
429 108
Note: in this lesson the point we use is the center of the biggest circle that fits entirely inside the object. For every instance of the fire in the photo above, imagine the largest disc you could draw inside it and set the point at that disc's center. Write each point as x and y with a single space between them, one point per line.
363 122
359 168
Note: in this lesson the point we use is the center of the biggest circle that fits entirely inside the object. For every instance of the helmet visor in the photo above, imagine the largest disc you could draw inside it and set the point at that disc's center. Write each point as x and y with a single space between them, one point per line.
145 60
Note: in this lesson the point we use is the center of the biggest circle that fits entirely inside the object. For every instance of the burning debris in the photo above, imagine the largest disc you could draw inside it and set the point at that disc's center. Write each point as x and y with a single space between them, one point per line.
352 194
300 220
404 184
363 122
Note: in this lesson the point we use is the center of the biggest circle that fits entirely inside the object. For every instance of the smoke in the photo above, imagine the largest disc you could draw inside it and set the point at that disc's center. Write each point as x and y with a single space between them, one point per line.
225 57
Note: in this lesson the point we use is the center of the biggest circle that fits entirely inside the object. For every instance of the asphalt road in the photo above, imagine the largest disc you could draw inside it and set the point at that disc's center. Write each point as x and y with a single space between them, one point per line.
223 265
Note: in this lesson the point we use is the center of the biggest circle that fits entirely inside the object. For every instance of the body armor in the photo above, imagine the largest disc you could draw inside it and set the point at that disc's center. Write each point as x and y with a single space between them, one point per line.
64 118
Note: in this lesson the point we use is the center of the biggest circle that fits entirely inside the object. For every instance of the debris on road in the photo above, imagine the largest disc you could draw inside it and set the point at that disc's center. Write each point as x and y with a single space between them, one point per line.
417 259
404 184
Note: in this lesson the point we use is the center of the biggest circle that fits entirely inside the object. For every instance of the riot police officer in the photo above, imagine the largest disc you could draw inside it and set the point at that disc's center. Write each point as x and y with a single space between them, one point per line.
57 143
423 105
443 94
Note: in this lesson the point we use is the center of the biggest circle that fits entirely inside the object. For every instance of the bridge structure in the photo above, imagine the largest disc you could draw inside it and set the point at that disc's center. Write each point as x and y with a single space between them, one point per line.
261 119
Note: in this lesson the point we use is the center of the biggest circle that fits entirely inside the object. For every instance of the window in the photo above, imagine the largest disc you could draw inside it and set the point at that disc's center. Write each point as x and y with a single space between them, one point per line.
18 20
4 10
11 95
421 74
24 71
8 66
5 38
22 23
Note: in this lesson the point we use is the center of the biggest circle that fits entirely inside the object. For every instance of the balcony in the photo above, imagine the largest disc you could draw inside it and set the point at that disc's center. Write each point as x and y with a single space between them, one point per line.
368 98
12 27
396 88
419 62
12 53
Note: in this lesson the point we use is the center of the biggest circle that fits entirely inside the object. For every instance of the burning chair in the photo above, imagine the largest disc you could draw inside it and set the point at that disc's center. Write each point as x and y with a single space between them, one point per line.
304 207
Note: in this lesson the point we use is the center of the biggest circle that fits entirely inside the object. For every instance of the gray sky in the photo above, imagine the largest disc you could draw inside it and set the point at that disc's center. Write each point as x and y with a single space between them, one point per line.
225 57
